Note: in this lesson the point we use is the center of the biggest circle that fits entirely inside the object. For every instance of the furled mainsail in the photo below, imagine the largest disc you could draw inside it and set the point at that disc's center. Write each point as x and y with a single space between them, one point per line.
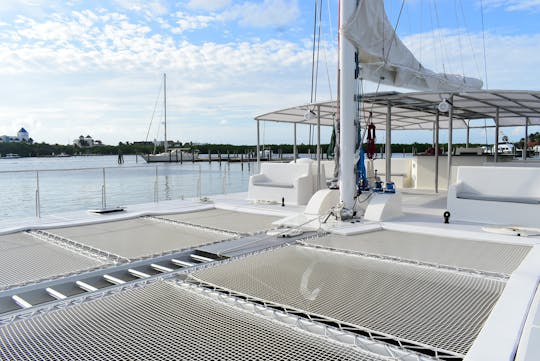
383 56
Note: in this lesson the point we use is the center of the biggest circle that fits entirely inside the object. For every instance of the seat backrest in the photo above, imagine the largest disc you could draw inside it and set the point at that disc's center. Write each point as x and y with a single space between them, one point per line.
285 172
399 166
500 181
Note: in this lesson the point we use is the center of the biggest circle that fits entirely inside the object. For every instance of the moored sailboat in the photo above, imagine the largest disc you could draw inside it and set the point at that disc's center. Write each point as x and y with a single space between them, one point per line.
169 154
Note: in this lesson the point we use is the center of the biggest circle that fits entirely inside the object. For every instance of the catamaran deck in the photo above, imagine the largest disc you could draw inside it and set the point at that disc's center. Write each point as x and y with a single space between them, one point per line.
168 279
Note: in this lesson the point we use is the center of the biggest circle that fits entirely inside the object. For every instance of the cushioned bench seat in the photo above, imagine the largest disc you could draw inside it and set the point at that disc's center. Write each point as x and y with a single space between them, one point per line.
496 195
291 182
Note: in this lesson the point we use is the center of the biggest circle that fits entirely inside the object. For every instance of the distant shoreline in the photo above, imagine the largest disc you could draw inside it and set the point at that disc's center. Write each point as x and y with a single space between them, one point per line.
56 150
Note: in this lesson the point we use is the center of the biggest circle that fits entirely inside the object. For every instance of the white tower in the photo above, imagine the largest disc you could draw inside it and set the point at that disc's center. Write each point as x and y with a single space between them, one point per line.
23 135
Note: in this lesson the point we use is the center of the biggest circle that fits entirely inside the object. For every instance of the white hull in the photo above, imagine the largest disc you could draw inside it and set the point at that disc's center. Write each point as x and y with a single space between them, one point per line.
172 156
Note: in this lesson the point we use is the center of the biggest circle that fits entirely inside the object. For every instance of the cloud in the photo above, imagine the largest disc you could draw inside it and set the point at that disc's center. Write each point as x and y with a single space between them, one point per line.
208 5
186 22
462 53
98 71
148 8
269 13
514 5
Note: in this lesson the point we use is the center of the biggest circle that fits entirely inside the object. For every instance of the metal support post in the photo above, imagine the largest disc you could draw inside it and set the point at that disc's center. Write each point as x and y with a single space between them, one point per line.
258 145
450 143
496 150
526 140
388 146
437 118
295 148
318 147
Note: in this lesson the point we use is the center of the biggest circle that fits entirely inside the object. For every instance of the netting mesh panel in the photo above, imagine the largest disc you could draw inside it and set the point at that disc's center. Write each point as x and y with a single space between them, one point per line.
138 237
227 220
438 308
24 258
478 255
162 322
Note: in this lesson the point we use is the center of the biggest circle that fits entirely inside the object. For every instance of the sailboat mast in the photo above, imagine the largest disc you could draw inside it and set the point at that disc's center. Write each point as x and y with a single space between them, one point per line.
165 109
347 132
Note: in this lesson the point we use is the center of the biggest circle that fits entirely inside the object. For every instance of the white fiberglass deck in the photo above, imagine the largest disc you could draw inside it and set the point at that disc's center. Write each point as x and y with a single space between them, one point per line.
163 321
442 309
24 259
454 252
139 237
231 221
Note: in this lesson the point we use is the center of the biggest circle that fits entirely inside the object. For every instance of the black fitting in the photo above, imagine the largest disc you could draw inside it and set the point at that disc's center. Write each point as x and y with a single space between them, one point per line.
446 216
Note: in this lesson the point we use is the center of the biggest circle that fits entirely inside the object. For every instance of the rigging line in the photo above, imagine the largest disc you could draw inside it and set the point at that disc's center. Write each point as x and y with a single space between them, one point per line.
313 50
485 65
421 29
325 52
318 51
395 30
439 33
325 55
484 42
469 37
154 111
158 129
390 47
434 36
459 38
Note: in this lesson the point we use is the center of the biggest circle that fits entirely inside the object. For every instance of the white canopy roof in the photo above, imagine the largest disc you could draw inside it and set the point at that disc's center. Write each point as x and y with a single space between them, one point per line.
410 111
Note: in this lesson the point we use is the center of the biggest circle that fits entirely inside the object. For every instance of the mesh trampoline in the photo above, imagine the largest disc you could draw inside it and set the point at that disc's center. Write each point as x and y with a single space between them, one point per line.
24 259
139 237
438 308
231 221
163 321
476 255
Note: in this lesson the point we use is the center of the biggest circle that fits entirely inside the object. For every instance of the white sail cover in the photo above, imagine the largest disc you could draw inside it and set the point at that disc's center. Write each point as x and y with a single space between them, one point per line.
383 56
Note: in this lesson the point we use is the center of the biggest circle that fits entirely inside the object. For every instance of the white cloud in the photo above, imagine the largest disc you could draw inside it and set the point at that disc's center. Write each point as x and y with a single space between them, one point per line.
514 5
186 22
98 72
462 53
208 5
149 8
269 13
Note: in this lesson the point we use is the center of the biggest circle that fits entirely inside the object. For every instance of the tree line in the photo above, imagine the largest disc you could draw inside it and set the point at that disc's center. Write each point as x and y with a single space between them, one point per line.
44 149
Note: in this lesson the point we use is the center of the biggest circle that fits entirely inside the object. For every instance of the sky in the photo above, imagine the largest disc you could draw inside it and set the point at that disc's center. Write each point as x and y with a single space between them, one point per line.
75 67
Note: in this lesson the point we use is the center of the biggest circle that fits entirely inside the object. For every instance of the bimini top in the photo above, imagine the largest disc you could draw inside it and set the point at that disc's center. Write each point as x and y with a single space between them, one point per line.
418 110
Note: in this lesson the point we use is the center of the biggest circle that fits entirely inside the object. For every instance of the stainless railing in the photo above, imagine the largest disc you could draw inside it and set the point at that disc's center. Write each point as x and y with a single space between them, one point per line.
72 189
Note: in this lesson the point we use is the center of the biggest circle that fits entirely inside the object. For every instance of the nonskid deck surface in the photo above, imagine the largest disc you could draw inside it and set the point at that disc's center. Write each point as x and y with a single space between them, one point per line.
481 256
163 321
441 309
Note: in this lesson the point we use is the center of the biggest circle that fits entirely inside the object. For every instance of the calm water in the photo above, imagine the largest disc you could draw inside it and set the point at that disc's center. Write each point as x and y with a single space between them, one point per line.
76 183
